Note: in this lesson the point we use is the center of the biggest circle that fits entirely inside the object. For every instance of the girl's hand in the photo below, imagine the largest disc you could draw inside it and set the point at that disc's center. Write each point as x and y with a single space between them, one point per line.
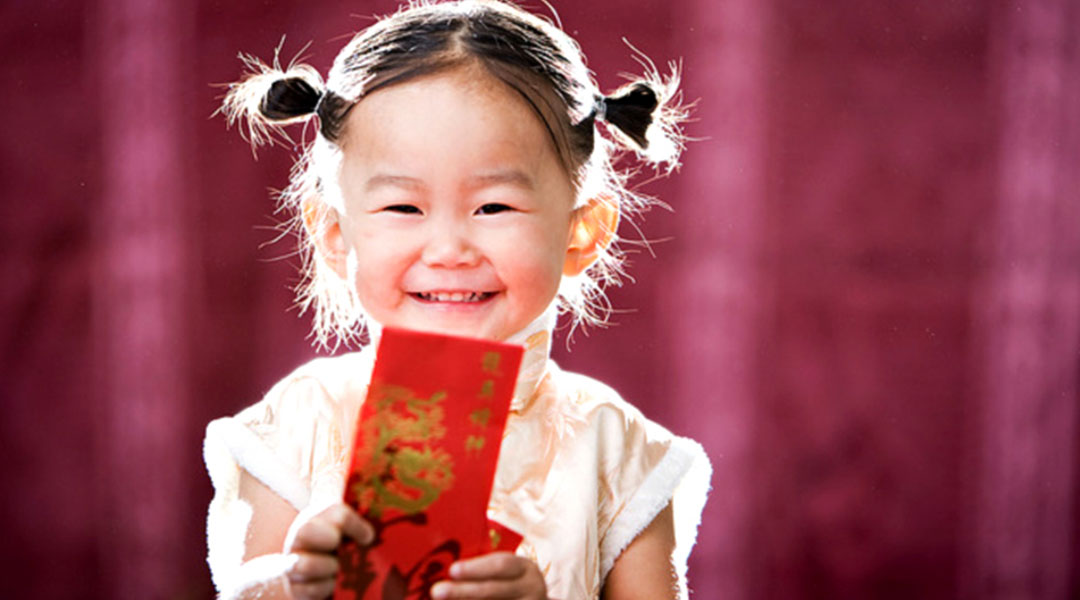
495 575
314 571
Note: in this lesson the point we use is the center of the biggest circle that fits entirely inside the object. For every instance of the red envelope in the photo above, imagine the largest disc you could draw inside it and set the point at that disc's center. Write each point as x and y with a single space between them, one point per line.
423 462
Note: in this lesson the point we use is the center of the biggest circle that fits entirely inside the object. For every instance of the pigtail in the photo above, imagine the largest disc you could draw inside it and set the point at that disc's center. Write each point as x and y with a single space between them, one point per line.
269 98
645 115
631 110
289 98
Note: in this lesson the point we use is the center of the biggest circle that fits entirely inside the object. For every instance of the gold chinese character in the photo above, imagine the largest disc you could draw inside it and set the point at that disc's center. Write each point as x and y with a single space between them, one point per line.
495 538
490 363
480 416
487 389
474 444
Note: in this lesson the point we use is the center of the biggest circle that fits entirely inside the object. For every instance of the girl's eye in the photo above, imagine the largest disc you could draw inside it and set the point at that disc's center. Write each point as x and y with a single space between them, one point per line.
492 208
405 209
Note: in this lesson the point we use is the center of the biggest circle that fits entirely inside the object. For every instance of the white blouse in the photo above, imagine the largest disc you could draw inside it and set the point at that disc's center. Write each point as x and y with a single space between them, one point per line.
580 473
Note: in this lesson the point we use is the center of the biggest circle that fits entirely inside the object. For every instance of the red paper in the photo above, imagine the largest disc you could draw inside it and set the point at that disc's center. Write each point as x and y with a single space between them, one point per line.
423 462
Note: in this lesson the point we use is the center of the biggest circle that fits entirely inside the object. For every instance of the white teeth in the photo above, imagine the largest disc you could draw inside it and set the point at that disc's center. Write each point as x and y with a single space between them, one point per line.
453 296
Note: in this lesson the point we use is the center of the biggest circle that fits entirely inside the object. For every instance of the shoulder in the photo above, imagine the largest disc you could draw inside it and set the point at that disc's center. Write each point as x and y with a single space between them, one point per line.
317 386
604 408
609 413
295 431
584 394
643 467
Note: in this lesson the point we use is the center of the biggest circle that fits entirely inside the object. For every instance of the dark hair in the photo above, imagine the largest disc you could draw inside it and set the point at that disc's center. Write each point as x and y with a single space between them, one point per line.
527 53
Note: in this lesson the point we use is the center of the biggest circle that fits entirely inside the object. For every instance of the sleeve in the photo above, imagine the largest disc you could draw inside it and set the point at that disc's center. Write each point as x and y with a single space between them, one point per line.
290 442
643 467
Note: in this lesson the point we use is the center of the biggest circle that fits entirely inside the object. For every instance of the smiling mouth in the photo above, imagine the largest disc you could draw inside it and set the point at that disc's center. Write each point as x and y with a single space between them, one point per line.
459 297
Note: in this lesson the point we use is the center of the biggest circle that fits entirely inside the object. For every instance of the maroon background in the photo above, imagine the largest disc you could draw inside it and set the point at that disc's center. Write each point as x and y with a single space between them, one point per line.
866 303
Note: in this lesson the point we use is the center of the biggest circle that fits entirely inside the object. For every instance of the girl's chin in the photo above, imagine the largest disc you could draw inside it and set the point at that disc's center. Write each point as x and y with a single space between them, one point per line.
454 328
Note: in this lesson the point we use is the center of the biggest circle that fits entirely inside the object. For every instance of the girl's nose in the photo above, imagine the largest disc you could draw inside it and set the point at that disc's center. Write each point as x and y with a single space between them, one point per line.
450 246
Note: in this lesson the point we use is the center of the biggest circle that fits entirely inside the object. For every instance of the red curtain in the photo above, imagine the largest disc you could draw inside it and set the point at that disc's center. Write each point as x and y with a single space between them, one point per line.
865 302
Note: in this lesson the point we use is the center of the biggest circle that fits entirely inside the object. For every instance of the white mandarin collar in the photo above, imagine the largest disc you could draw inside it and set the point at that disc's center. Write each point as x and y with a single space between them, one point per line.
536 338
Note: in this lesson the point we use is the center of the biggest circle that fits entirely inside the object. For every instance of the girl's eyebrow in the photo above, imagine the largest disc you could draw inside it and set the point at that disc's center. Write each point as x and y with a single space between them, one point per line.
511 176
514 177
387 180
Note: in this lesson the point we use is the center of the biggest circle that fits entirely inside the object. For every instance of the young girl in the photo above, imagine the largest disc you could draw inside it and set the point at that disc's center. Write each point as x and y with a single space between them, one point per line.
460 181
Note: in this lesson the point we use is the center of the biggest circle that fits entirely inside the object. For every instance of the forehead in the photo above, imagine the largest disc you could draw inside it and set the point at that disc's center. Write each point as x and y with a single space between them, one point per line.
462 115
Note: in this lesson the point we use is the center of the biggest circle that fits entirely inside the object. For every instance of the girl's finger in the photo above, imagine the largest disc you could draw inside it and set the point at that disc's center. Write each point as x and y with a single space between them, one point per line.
322 533
477 589
317 535
497 565
310 567
347 521
316 590
357 528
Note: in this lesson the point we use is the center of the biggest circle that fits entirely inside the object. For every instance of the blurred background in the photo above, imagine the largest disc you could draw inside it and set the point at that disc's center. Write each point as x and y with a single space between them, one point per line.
865 301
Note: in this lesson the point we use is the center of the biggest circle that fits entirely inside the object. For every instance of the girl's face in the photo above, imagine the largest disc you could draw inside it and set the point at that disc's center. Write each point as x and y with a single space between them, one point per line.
457 211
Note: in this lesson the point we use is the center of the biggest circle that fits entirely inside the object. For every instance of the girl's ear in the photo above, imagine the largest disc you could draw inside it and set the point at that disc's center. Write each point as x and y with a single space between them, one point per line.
323 225
592 230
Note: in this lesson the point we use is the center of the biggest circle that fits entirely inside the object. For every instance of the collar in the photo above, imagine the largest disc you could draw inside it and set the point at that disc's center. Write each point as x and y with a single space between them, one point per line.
536 338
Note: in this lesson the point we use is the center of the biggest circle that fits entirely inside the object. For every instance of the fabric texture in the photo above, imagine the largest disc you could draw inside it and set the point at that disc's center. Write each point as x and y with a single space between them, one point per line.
581 472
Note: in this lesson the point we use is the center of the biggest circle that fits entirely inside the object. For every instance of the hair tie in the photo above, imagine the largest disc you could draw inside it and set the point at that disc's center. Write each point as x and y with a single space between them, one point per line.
600 108
331 110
